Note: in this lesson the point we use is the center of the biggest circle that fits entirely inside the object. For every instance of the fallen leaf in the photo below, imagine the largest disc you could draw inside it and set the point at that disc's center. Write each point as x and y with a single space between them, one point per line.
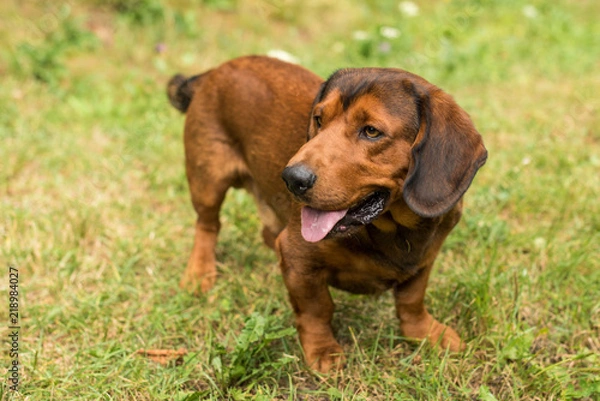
164 356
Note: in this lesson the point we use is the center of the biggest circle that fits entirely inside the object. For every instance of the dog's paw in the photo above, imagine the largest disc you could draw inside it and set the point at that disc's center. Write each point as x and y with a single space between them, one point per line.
198 285
326 359
447 338
436 333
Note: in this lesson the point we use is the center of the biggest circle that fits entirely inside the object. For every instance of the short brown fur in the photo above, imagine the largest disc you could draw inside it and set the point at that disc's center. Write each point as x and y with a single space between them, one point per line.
248 119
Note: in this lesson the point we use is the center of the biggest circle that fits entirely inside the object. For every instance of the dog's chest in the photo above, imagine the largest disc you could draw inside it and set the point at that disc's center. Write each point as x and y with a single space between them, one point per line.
374 261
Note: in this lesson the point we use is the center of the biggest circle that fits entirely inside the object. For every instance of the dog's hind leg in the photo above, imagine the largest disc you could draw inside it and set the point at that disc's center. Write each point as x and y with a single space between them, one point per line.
212 167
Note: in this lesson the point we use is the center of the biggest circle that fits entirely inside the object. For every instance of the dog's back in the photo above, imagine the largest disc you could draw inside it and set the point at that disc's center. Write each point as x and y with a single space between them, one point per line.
259 107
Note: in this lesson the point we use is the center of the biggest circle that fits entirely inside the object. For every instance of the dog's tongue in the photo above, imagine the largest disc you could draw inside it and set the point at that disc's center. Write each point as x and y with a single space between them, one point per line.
317 223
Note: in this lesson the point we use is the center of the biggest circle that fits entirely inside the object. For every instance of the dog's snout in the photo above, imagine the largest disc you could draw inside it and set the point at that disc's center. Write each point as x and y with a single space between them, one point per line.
298 178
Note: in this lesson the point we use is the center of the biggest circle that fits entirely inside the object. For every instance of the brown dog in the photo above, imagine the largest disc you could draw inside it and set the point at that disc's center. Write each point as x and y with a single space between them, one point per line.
377 184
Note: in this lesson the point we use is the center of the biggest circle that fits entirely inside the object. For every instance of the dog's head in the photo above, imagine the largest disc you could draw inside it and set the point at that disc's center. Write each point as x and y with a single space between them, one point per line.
377 136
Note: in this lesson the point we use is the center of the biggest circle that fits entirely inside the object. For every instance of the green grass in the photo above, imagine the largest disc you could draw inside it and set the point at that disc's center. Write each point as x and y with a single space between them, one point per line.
95 212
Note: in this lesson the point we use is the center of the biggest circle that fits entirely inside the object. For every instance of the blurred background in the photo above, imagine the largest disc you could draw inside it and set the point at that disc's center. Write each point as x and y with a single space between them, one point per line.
95 211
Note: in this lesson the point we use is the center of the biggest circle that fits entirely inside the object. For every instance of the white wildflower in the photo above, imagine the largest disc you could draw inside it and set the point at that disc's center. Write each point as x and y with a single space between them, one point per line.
539 243
283 55
360 35
530 11
389 32
526 161
408 8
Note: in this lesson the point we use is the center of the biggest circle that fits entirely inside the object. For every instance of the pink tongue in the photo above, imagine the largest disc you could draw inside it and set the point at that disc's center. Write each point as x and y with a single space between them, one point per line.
317 223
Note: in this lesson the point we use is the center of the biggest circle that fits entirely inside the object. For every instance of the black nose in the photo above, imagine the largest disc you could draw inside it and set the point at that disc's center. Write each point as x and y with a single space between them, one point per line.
298 178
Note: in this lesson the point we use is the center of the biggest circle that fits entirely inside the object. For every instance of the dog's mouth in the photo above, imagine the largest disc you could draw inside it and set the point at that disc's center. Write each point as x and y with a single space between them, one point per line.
318 224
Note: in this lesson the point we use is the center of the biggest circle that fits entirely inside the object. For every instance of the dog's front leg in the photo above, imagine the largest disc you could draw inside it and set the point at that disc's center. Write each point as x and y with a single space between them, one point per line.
313 308
415 320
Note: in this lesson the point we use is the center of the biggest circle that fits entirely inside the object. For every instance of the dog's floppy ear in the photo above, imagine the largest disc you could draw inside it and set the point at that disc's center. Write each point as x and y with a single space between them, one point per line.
447 153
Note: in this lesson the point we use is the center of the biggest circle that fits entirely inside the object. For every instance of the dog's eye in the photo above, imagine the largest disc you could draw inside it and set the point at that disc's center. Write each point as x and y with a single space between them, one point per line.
371 132
317 121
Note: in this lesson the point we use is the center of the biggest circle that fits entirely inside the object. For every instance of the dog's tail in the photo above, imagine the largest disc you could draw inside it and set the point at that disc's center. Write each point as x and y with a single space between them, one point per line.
180 91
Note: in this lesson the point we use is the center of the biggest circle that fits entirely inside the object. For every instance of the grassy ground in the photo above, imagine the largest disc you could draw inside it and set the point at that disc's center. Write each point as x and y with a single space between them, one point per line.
94 209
